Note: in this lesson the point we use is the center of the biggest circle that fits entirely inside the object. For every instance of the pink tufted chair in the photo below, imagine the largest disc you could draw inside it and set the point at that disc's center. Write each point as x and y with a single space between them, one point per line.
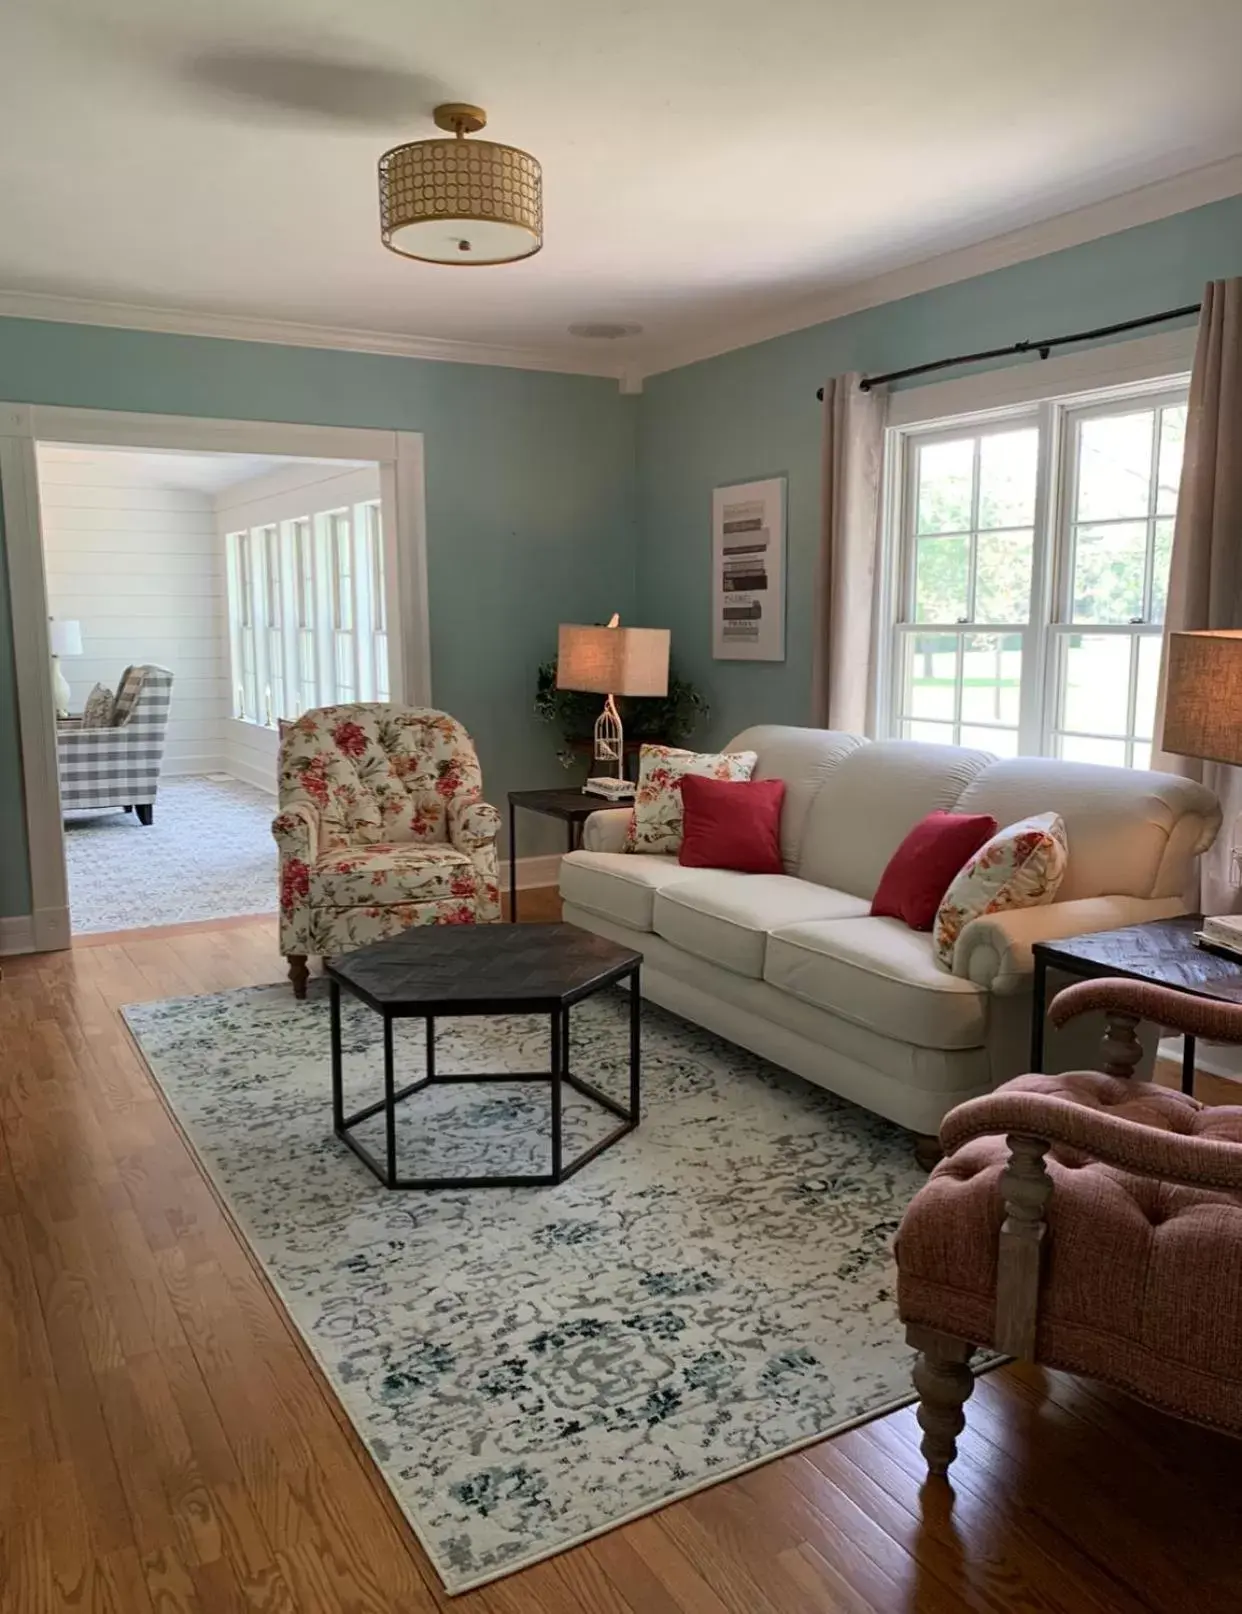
382 825
1088 1222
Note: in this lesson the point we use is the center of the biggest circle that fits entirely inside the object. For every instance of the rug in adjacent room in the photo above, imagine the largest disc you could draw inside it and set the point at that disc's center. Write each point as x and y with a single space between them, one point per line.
531 1367
207 854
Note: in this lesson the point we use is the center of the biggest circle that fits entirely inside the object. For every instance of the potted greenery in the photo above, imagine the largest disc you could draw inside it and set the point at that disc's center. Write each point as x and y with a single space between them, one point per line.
648 719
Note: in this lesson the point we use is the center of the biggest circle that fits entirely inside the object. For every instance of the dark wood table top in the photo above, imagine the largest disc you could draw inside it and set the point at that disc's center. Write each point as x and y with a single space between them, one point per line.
1162 950
570 804
482 969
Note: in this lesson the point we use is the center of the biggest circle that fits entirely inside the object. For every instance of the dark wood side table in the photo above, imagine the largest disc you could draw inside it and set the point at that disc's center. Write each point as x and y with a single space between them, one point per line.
1163 951
574 807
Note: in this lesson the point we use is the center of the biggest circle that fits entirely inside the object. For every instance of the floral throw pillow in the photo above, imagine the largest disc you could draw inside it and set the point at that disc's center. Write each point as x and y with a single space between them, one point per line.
1020 867
656 823
97 713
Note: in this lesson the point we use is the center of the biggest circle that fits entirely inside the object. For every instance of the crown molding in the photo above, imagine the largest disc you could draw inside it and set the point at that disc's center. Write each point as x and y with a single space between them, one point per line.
1163 199
1179 194
287 333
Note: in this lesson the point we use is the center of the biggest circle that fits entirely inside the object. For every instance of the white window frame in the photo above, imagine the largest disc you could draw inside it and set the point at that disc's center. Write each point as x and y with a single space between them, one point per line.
324 637
1052 559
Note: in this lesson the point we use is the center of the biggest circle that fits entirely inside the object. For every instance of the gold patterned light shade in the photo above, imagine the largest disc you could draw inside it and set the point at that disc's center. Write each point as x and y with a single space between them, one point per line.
460 201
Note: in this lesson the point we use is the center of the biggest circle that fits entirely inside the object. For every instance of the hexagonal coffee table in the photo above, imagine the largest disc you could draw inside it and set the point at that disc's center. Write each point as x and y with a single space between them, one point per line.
435 970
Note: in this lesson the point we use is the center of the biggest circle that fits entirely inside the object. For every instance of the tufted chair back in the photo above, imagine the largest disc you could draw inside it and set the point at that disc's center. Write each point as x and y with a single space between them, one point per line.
377 773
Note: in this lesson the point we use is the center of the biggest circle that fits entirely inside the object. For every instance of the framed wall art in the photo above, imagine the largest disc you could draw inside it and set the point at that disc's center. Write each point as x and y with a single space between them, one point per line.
748 571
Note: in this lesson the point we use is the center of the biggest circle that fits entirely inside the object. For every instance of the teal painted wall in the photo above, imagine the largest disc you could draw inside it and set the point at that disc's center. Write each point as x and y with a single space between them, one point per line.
752 413
554 497
530 509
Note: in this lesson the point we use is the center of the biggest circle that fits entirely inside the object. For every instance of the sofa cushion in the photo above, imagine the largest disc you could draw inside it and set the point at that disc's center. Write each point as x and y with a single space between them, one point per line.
804 759
878 973
873 799
725 917
620 886
1130 833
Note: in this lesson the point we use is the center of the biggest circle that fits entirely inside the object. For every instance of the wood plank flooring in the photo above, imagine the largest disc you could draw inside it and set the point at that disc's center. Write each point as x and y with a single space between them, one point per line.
167 1447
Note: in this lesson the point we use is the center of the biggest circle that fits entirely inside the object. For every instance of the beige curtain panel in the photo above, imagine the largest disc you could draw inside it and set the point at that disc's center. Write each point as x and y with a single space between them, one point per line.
843 666
1205 573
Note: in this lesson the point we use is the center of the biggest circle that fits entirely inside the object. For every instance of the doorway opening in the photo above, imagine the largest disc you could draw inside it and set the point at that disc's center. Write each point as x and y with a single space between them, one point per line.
196 601
238 572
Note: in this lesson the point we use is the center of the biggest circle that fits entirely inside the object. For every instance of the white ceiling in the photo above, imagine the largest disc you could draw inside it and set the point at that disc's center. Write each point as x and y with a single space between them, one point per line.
709 165
161 468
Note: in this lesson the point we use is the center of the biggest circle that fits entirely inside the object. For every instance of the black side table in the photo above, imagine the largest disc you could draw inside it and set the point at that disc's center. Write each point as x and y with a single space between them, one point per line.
574 807
1163 951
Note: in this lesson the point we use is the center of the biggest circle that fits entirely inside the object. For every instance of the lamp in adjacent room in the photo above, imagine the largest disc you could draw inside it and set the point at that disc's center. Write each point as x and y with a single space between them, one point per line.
1203 704
64 639
612 661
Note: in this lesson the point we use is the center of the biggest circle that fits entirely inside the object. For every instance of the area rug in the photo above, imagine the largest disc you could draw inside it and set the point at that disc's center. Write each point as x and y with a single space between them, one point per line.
531 1367
208 854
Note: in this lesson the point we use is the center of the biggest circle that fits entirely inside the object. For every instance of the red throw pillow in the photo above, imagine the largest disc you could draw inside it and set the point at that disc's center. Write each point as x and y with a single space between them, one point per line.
922 868
733 825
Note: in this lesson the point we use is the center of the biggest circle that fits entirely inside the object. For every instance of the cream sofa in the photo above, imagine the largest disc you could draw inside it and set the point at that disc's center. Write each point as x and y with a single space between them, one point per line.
794 967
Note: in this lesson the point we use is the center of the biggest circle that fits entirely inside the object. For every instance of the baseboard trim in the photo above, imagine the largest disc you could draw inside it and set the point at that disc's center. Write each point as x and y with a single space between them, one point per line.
533 872
16 933
46 931
191 766
249 776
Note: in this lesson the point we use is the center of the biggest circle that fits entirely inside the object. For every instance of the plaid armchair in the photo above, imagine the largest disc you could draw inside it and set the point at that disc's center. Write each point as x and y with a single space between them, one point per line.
118 766
381 826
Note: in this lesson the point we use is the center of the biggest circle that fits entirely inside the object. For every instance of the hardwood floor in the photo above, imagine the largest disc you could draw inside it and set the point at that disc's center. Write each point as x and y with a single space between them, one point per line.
167 1446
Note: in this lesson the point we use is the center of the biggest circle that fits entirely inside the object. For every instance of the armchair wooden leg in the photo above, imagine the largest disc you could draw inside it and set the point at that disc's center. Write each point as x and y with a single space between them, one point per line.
146 812
1121 1047
927 1151
298 974
944 1381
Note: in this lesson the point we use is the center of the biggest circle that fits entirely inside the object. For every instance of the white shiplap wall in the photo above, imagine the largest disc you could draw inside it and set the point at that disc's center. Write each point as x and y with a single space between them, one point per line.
138 566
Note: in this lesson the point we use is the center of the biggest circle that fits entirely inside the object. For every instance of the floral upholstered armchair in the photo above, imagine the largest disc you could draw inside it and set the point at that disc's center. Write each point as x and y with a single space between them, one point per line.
381 826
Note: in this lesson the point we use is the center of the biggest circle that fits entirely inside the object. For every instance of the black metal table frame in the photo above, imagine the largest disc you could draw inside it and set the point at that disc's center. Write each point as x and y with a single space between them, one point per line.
573 832
558 1076
1084 971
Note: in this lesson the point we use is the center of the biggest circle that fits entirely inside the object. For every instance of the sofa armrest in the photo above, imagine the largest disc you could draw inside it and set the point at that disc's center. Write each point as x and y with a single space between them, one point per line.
995 950
605 831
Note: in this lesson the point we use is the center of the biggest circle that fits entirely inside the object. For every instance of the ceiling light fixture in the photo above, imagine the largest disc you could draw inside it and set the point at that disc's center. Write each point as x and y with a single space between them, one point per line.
460 201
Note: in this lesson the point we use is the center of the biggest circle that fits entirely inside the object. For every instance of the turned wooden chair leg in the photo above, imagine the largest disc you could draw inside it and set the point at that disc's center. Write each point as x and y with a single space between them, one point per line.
1121 1048
927 1151
944 1381
298 974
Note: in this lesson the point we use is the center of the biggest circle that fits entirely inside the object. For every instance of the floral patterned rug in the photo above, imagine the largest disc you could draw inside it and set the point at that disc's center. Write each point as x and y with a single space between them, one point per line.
532 1367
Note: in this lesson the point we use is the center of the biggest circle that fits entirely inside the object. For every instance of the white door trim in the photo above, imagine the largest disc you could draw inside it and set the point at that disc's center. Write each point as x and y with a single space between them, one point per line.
400 457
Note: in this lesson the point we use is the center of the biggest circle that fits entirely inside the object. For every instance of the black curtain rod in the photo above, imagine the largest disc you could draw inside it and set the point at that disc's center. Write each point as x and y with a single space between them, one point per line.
1042 348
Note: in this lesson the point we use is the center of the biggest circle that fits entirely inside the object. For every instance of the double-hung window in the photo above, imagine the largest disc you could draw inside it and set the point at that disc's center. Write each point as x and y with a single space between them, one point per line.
1030 558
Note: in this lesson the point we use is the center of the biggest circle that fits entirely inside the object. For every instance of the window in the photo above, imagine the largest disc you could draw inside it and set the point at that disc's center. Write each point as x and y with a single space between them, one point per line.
377 600
308 615
305 612
341 546
245 667
273 616
1031 558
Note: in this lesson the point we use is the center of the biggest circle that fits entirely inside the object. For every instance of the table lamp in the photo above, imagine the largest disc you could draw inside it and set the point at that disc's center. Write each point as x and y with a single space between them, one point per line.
1203 706
612 661
64 639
